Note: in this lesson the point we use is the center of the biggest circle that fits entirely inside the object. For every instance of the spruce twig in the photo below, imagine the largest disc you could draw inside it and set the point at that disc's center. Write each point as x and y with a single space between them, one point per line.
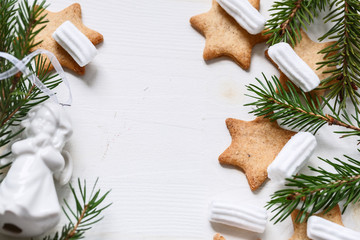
87 213
344 54
289 16
314 193
296 110
18 95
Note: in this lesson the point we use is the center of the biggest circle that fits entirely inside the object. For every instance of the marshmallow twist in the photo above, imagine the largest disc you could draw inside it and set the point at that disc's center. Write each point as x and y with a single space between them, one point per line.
292 157
245 14
75 43
248 217
293 66
321 229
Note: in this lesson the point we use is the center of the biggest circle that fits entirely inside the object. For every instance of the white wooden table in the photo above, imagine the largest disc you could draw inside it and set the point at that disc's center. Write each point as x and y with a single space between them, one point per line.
149 120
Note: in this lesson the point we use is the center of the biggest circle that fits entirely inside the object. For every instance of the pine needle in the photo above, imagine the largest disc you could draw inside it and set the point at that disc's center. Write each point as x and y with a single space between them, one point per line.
18 95
86 213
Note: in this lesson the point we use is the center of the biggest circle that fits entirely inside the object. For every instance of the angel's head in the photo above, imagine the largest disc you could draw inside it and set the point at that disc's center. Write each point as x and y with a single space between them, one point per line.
50 119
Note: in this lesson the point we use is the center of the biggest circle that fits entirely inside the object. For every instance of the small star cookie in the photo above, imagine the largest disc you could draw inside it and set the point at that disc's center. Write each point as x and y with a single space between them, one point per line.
254 146
218 237
73 14
225 37
300 232
308 51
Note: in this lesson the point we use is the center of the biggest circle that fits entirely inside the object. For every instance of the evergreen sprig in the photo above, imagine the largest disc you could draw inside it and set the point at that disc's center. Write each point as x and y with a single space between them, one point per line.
344 54
289 16
87 212
324 191
296 109
18 24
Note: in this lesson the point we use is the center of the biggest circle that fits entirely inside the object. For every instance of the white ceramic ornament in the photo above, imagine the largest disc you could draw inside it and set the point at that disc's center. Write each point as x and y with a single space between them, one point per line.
75 43
292 157
321 229
293 66
244 216
29 205
244 14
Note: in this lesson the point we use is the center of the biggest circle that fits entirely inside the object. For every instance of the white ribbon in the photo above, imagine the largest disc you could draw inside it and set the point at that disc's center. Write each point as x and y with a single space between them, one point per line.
20 65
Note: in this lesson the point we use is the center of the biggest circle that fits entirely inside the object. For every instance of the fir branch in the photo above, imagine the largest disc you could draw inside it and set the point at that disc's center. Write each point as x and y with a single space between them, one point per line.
7 22
297 110
18 94
314 193
87 213
289 16
344 54
27 19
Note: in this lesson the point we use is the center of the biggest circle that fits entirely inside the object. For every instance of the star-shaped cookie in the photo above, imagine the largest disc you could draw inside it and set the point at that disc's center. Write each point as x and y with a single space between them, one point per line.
308 51
300 232
254 146
218 237
224 36
73 14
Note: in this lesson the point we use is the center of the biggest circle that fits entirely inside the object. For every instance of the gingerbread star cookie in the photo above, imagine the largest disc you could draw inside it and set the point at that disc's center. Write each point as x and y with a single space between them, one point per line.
254 146
300 233
308 51
73 14
218 237
224 36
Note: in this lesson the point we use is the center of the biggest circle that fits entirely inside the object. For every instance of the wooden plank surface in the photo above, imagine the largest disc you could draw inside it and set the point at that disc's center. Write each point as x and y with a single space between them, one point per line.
149 120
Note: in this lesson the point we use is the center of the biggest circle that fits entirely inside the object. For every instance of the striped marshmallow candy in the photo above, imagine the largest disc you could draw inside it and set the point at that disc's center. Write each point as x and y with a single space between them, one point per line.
75 43
248 217
245 14
292 157
293 66
321 229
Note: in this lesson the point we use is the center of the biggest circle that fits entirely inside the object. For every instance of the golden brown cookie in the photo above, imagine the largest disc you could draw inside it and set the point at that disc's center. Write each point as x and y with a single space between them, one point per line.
254 146
308 51
333 215
73 14
225 37
218 237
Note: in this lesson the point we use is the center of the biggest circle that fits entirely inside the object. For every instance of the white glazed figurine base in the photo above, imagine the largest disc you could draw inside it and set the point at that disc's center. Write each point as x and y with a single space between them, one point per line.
244 14
29 205
321 229
293 66
248 217
75 43
292 157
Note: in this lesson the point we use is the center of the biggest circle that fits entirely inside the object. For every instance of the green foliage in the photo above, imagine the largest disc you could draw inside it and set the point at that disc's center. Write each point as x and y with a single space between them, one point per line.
296 109
20 23
86 213
308 193
289 16
311 194
344 53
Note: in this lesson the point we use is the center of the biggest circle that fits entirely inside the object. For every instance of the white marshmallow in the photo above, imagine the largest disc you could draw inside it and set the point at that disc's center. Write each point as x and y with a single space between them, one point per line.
245 14
243 216
75 43
293 66
292 157
321 229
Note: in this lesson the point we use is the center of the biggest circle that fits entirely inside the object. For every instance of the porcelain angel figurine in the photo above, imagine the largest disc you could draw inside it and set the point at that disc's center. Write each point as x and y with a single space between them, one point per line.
29 205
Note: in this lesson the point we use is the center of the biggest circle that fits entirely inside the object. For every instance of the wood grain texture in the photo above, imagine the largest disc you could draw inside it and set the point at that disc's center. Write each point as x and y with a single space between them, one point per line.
148 119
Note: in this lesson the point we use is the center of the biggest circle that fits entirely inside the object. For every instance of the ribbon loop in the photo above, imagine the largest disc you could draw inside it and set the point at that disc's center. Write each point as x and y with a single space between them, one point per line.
20 65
